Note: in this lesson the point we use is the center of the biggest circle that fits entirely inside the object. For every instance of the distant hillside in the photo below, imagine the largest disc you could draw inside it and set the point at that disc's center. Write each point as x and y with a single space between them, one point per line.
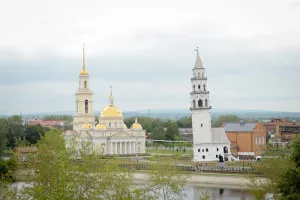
178 113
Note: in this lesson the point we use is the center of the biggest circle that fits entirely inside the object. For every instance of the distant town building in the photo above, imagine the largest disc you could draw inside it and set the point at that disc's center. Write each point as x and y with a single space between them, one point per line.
247 139
285 132
45 123
110 135
22 152
208 143
272 123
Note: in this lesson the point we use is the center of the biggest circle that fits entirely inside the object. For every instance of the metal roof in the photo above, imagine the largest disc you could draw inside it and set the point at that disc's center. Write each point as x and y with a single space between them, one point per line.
239 126
219 136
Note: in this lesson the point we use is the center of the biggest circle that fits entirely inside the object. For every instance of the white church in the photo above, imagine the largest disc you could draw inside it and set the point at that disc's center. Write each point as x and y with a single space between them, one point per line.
208 143
110 136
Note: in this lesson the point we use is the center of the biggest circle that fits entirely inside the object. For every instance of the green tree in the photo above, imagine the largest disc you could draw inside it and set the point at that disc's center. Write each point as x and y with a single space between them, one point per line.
166 180
185 122
282 174
3 134
15 129
224 118
65 169
66 118
147 123
172 131
158 133
34 132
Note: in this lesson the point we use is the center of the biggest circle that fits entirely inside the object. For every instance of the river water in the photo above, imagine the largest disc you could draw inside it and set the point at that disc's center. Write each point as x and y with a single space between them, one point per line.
194 192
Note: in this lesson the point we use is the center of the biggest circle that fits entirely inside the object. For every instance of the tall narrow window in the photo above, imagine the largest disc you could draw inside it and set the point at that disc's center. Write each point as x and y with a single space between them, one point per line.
86 106
109 124
204 88
85 84
206 103
194 88
199 87
77 106
194 103
116 124
200 103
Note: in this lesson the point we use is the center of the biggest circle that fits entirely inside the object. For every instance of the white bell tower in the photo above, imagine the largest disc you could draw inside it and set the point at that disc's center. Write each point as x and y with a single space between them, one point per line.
83 100
200 108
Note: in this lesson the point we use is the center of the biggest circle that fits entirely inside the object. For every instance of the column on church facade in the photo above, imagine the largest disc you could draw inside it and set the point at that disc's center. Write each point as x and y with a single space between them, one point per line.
116 148
129 148
111 148
133 147
121 148
125 147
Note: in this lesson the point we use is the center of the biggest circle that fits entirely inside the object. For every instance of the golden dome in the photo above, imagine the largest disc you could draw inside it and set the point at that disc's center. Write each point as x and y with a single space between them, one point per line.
101 126
86 125
111 111
136 125
84 72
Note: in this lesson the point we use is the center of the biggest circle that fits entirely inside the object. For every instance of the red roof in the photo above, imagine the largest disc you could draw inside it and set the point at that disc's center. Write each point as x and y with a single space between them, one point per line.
45 122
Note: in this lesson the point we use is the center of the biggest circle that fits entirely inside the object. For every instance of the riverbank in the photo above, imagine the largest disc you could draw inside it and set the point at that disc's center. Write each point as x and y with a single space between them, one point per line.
209 180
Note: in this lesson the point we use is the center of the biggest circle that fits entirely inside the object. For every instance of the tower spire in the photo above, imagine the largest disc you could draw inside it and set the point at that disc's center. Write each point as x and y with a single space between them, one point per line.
111 98
83 58
198 63
83 71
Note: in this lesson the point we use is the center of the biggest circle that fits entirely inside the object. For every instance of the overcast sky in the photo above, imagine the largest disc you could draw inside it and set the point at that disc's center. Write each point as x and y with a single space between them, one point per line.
145 50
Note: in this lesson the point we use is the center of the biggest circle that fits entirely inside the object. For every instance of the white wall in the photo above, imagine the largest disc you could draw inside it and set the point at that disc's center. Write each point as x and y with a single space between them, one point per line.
201 134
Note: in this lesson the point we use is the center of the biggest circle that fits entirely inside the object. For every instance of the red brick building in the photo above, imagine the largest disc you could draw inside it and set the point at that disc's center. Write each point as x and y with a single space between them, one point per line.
247 139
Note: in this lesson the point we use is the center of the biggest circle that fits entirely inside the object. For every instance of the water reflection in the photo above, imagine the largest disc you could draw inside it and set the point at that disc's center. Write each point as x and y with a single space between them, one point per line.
196 192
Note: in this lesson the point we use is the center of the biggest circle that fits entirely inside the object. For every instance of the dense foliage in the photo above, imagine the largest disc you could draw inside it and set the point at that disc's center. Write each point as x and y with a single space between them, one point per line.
7 166
282 171
224 118
65 169
14 127
66 118
3 134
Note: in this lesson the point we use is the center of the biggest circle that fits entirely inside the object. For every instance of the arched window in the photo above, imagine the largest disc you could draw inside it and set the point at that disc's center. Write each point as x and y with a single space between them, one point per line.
225 149
198 74
204 88
85 84
199 87
86 106
259 138
206 103
200 103
194 103
109 124
194 88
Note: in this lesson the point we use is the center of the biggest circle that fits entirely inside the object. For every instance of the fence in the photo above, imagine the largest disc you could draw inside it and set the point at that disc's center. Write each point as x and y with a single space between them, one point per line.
197 168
